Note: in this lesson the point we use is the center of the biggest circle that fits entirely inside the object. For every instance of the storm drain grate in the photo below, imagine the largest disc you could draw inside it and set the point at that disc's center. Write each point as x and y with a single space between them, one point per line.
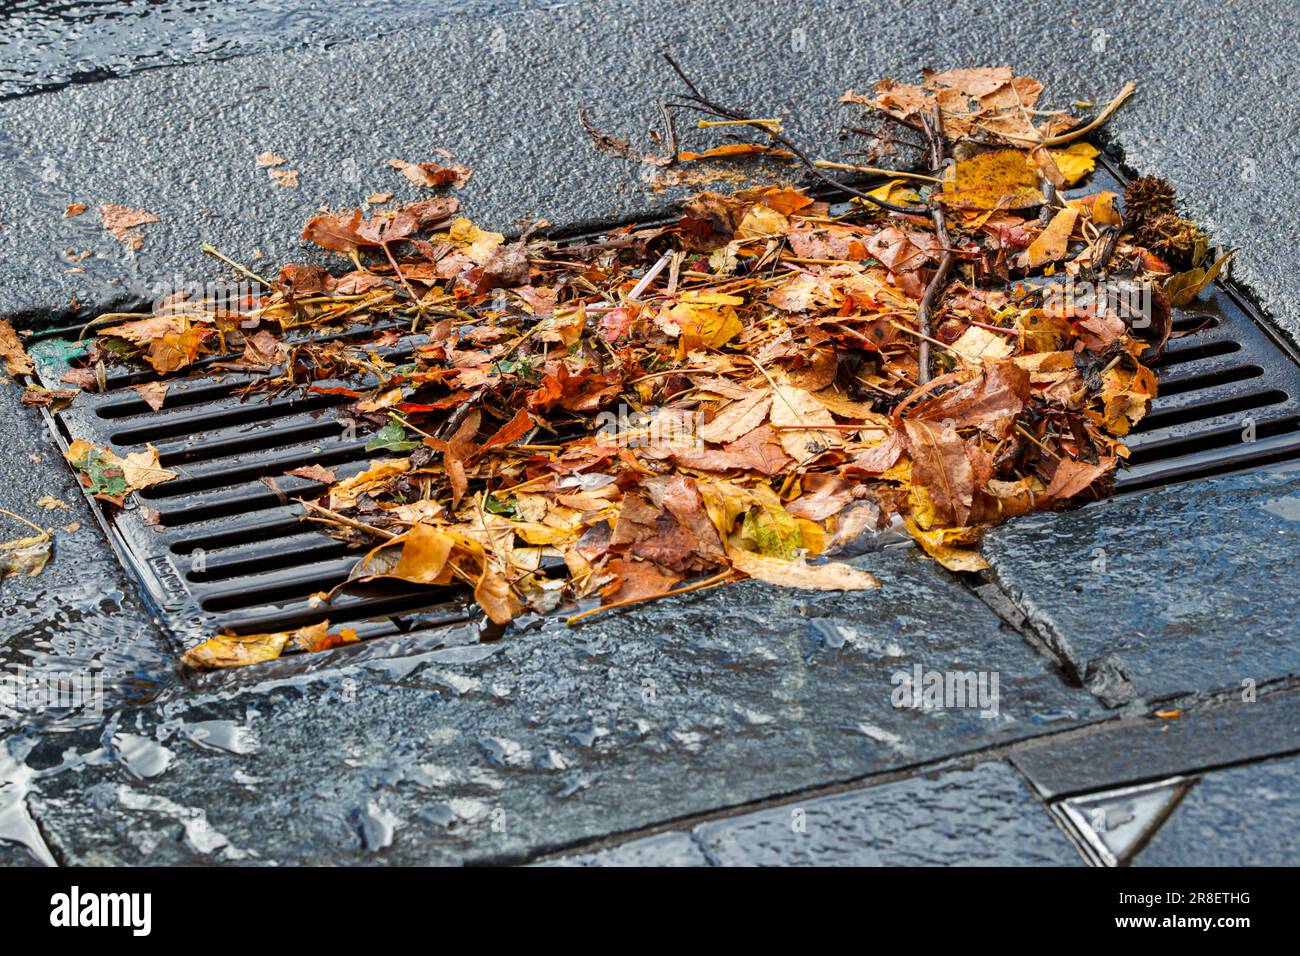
219 548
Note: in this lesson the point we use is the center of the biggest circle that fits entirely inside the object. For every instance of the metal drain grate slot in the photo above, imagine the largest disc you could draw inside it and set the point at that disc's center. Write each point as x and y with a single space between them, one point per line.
224 546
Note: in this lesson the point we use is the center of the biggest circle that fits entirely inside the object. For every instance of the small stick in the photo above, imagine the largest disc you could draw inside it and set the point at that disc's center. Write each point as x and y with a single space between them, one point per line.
348 522
234 265
706 105
35 527
700 585
773 125
938 147
1025 432
1129 89
650 276
874 170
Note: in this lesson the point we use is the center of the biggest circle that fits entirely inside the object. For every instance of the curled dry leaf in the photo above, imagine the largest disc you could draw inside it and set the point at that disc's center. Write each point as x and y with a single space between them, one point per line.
433 174
238 650
15 357
831 576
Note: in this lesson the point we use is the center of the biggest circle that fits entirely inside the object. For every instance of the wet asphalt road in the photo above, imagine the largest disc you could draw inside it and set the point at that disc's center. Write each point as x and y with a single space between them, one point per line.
560 740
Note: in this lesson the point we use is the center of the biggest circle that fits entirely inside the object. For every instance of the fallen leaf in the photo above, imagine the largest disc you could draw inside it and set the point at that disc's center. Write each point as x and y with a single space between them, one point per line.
940 466
153 393
122 223
313 473
797 415
998 179
24 557
1053 242
433 174
831 576
15 356
737 418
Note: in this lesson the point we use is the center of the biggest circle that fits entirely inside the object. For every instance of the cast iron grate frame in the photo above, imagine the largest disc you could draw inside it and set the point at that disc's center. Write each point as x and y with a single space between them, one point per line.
227 552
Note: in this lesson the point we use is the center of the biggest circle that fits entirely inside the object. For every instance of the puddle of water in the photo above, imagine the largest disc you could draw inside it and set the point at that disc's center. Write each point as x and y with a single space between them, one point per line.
378 827
16 779
200 838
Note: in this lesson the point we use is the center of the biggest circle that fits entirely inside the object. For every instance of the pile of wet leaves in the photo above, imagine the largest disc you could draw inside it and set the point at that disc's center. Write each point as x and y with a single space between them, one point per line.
767 381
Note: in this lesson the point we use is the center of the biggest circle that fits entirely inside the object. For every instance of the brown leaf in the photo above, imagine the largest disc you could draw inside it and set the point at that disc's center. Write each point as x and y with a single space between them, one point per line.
433 174
879 458
122 222
738 418
153 393
637 520
795 413
1072 478
941 467
760 450
823 496
991 401
313 473
635 580
16 360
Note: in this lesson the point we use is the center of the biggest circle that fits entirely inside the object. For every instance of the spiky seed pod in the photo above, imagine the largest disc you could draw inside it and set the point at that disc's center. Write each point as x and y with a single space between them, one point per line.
1148 197
1171 237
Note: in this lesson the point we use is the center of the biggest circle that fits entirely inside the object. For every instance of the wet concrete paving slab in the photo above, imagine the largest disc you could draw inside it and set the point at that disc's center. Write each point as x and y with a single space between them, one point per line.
81 616
673 848
1245 816
502 94
554 737
1182 590
1227 732
981 816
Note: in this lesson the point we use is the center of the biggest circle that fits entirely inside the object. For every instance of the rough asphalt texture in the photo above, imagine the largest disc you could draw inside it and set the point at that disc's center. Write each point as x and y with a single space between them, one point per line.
766 700
1214 115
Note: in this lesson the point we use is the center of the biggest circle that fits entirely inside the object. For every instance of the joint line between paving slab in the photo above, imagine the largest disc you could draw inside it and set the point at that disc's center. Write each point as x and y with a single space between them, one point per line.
1116 723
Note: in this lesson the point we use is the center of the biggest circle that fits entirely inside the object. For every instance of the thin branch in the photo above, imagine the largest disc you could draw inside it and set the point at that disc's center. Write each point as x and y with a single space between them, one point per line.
701 101
938 151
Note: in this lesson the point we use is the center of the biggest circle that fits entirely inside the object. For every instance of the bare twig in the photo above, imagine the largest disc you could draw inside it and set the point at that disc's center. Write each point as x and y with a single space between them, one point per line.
938 151
704 104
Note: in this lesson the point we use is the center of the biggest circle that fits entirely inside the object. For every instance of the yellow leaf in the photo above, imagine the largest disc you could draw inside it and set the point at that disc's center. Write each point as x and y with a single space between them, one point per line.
142 470
951 547
1053 241
478 244
1000 179
1075 161
976 344
896 191
707 320
15 358
760 222
346 492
